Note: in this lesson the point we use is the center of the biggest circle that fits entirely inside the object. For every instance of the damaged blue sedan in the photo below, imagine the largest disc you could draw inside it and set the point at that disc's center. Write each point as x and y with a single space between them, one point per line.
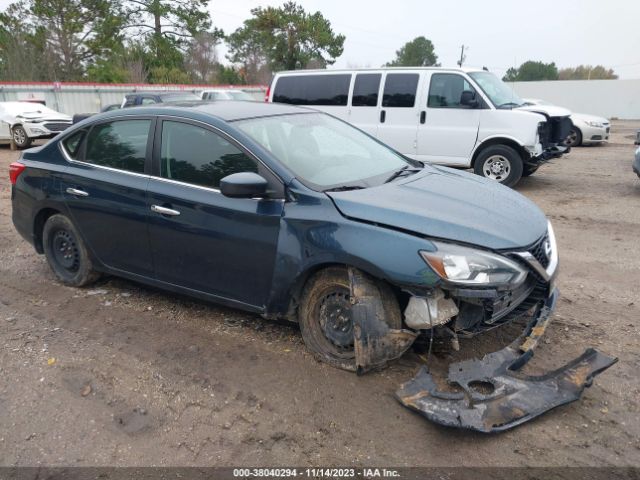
291 213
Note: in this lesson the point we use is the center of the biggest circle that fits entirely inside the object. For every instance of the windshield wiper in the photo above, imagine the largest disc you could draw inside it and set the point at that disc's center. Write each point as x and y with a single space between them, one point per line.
344 188
402 171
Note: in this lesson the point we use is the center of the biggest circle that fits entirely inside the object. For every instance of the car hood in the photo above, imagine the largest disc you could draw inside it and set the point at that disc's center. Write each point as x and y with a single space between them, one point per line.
34 116
584 117
449 204
548 110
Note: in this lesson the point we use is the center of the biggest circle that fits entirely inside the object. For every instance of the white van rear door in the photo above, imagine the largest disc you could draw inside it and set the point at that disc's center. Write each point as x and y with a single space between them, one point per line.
398 113
447 130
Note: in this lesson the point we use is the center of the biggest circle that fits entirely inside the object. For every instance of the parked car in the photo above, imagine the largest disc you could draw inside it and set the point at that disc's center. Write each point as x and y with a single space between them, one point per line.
265 207
586 129
226 94
149 98
26 121
457 117
637 142
636 162
78 117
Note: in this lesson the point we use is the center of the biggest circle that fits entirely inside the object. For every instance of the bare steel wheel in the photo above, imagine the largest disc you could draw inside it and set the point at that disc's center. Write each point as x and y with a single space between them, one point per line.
500 163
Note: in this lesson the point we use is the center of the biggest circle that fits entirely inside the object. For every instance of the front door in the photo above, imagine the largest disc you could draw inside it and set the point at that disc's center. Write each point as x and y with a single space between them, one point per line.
201 239
104 188
398 115
448 131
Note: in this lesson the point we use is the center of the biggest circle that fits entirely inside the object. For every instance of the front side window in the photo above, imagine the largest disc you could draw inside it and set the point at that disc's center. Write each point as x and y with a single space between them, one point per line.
400 90
365 90
445 90
323 151
121 144
313 89
199 156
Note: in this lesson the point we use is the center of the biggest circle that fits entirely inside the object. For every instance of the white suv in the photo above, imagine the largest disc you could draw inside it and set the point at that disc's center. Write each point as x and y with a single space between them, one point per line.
457 117
26 121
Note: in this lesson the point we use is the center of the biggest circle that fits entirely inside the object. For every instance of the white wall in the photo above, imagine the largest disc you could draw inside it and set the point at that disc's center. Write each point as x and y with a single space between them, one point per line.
607 98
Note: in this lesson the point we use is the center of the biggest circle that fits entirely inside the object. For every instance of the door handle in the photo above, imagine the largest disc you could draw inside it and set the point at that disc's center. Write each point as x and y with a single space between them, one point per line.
423 116
383 116
76 192
164 210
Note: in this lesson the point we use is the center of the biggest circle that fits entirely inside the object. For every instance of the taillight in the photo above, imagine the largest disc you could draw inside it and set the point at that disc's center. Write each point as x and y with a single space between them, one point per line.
266 95
15 169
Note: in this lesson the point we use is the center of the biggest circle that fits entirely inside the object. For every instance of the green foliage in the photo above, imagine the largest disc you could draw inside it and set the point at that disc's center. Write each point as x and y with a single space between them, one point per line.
229 76
287 37
587 72
164 74
419 52
531 71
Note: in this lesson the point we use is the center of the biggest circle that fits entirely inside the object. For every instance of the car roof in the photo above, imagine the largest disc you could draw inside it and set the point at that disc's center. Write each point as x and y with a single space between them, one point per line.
159 93
225 110
327 71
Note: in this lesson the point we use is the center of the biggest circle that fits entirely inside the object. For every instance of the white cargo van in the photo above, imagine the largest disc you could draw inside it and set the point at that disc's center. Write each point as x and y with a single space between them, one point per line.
457 117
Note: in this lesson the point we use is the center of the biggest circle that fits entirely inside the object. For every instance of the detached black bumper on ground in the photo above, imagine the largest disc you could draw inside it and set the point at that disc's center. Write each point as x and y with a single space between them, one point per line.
494 396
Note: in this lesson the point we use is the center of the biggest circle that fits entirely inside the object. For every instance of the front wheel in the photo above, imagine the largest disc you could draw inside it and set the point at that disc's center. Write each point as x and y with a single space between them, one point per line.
20 137
66 253
500 163
325 316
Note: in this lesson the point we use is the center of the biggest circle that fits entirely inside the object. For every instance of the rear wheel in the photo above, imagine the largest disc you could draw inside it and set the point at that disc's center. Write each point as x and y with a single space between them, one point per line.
20 137
500 163
66 253
325 316
574 139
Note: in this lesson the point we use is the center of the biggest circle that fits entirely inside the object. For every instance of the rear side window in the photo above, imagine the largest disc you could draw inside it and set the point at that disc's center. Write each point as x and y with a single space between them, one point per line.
313 89
400 90
445 90
148 101
121 144
72 143
199 156
365 90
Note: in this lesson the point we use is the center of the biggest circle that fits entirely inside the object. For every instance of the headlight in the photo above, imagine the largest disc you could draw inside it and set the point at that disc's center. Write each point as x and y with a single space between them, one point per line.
468 266
595 124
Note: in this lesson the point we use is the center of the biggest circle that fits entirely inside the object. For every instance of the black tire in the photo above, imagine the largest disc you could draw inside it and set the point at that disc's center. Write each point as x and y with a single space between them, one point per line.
20 137
501 163
574 139
528 171
66 253
324 316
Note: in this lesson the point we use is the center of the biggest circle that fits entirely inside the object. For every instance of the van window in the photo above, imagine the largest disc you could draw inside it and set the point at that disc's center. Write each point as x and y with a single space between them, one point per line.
313 89
400 90
446 89
121 144
365 90
196 155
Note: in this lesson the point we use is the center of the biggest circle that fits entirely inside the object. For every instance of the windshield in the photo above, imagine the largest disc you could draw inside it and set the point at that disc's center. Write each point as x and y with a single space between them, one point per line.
178 97
498 92
323 151
241 96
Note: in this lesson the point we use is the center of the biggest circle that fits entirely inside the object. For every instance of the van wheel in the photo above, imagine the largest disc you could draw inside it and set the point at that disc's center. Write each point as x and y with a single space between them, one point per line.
325 317
20 137
500 163
66 253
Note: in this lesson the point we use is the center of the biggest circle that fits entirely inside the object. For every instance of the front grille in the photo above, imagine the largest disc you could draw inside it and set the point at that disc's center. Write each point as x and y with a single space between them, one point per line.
56 126
539 252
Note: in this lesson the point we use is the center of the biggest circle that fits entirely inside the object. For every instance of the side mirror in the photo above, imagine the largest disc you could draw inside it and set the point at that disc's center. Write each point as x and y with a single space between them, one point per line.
243 185
468 99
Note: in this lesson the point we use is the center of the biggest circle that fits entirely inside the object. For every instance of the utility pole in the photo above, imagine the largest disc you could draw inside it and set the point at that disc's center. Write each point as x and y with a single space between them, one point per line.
462 56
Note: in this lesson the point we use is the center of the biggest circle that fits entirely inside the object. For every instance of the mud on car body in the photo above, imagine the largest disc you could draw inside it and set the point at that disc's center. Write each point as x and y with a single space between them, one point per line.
286 212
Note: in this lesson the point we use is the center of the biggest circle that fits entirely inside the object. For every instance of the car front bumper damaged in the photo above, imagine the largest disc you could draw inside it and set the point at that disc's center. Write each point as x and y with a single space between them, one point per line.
492 394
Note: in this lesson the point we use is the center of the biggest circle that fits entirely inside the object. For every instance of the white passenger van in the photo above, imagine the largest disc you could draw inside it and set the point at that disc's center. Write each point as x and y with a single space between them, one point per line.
457 117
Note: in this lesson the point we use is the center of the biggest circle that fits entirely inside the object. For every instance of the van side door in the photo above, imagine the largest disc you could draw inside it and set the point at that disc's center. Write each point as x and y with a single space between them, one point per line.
365 99
448 127
398 114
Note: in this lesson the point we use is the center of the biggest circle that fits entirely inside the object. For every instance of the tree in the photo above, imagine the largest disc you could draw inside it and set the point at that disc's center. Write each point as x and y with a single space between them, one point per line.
246 49
288 37
532 71
419 52
587 72
21 57
201 58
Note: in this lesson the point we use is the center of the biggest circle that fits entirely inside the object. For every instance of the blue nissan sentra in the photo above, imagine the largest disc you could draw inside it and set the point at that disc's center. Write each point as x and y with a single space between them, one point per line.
288 213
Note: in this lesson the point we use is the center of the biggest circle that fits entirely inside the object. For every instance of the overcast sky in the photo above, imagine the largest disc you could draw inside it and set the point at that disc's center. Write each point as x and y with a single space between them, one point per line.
499 33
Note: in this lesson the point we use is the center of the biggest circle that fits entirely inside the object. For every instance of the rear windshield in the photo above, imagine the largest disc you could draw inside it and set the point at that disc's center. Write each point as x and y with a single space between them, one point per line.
313 89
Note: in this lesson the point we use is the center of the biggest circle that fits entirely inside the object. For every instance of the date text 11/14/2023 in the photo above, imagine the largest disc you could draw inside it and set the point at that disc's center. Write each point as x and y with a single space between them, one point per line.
336 473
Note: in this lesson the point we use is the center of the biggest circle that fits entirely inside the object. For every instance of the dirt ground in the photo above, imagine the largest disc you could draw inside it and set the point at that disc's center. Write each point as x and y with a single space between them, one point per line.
120 374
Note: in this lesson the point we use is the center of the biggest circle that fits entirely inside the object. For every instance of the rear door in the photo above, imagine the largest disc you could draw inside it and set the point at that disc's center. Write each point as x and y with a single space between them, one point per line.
398 115
448 131
104 188
363 112
201 239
